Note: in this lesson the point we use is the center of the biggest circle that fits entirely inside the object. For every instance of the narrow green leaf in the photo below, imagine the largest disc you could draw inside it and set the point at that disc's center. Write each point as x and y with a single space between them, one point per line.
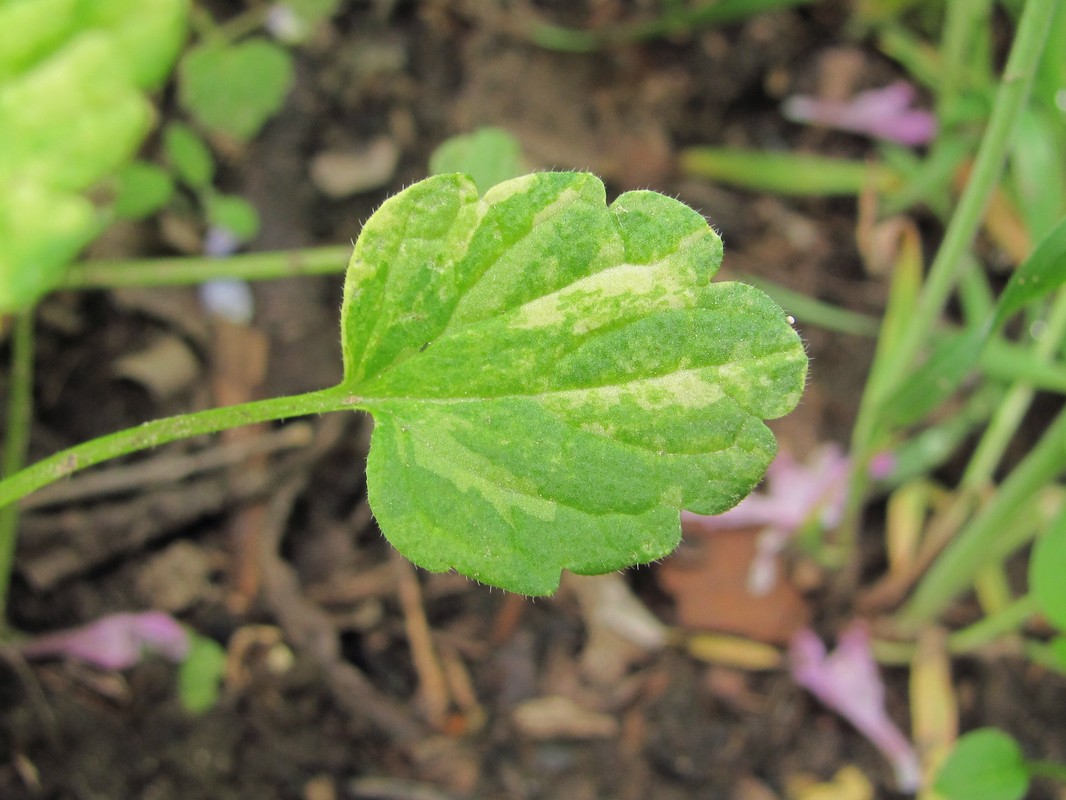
785 173
553 378
1047 566
1038 170
1042 273
234 89
953 358
986 764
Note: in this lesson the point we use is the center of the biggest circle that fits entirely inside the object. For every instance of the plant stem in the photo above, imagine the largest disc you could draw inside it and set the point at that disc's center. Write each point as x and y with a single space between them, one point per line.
988 629
183 271
16 441
161 431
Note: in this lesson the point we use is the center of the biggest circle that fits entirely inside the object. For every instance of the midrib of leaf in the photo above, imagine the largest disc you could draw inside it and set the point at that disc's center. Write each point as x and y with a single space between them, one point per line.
369 402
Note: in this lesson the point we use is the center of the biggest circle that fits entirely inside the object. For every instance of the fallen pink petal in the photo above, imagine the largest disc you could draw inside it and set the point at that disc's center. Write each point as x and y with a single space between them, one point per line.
848 682
118 641
884 113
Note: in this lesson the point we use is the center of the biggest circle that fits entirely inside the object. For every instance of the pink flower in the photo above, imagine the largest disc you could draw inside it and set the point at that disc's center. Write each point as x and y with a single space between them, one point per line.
847 681
879 113
117 641
796 495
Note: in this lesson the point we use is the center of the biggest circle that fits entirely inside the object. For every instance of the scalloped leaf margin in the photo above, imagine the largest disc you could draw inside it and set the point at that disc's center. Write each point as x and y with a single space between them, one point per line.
552 379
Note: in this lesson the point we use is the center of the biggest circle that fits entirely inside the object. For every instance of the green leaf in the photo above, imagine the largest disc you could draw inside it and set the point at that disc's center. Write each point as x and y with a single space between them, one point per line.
189 156
235 214
1047 566
41 231
148 34
143 189
488 155
553 378
29 31
234 89
986 764
200 674
73 119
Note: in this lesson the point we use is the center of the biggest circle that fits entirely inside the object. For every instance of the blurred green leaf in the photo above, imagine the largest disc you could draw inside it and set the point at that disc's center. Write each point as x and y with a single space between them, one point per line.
73 119
1040 274
954 357
235 89
148 34
189 156
71 114
785 173
488 155
986 764
934 381
143 189
235 214
30 31
200 674
1038 170
1047 566
41 232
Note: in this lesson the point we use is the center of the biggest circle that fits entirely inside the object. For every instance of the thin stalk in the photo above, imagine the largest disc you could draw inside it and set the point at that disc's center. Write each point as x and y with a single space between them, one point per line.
16 441
990 628
168 429
184 271
980 634
988 536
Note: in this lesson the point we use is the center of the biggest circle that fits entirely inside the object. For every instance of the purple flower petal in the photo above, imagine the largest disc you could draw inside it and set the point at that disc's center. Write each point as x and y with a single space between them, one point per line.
117 641
879 113
847 681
